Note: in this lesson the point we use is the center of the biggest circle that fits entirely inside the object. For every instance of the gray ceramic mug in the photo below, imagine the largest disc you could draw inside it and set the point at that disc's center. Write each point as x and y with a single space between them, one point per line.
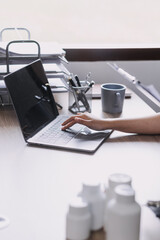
112 95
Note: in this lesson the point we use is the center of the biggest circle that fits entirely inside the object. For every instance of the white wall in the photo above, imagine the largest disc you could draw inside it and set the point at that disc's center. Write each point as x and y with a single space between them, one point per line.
85 21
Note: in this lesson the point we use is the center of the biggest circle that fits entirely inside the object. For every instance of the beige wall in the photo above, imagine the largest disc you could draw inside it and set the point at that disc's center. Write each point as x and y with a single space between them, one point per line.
85 21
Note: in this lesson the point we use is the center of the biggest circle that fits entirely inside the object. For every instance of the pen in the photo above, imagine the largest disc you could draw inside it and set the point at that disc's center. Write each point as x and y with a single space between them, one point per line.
91 83
72 82
89 86
77 80
88 76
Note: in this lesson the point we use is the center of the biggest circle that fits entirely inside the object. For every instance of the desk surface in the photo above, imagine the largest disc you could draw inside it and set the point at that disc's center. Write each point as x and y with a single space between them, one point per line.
36 184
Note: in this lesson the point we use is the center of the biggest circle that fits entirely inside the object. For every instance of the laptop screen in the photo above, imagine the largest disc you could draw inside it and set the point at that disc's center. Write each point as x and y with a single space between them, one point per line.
32 97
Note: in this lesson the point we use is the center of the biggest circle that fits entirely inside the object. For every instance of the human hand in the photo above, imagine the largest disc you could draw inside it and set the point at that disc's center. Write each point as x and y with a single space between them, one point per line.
84 119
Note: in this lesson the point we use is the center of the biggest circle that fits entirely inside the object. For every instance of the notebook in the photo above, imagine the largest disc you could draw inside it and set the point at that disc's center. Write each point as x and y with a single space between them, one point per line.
38 114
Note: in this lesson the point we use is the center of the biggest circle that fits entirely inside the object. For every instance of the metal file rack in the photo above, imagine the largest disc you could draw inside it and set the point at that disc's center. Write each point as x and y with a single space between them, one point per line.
17 30
9 59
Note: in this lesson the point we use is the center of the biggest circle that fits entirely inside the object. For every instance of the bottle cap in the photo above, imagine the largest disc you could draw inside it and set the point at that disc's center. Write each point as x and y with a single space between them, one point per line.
91 187
119 178
125 193
78 207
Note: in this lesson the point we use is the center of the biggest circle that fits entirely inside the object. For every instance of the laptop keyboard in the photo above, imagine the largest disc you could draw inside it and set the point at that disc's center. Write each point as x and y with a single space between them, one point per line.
54 134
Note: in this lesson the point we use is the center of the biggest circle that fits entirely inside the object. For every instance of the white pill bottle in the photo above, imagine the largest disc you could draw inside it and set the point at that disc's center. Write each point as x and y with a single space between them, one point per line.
114 180
95 197
123 222
78 220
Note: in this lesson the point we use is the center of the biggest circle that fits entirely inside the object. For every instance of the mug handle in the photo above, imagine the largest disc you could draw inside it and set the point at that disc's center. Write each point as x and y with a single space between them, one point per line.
117 99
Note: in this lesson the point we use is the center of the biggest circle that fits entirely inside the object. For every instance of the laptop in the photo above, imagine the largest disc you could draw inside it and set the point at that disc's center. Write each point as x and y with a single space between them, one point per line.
38 114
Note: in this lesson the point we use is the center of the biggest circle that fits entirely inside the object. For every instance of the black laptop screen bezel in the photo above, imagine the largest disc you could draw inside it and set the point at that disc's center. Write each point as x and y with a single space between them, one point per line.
31 97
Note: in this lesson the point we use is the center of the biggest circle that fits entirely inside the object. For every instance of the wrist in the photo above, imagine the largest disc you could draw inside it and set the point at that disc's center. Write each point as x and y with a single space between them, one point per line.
106 124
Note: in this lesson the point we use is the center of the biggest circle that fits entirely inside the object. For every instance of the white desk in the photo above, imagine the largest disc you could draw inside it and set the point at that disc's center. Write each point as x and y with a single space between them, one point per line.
36 184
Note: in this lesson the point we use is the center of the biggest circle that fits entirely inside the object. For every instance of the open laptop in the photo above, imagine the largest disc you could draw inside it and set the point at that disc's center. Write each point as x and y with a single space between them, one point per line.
38 115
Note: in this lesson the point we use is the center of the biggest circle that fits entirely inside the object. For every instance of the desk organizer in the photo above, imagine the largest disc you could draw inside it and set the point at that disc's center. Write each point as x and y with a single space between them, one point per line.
80 98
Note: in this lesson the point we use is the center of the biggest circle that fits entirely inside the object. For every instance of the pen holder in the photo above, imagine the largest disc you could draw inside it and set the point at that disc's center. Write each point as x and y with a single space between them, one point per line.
80 98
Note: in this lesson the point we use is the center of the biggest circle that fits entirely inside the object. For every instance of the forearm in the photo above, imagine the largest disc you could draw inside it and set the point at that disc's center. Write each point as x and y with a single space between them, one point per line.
145 125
